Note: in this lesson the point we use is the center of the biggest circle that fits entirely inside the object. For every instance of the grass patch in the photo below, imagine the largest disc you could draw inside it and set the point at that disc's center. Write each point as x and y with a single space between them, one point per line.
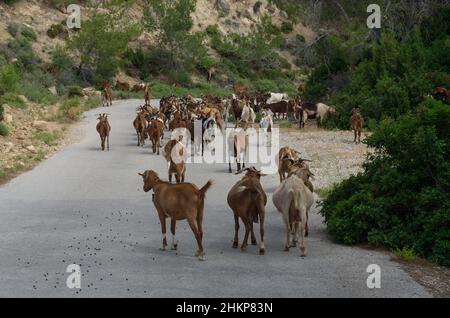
285 124
406 254
12 100
4 131
49 138
69 110
92 102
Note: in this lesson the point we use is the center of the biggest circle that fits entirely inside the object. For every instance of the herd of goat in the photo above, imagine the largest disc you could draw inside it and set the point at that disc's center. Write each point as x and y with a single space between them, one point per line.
247 198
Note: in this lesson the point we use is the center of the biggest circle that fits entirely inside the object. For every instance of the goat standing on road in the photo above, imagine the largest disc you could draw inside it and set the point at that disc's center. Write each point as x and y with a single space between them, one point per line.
293 200
247 199
107 94
140 125
179 202
103 129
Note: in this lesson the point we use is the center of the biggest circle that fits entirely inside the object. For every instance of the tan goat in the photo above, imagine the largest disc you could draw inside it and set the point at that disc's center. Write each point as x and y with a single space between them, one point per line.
179 202
293 200
247 199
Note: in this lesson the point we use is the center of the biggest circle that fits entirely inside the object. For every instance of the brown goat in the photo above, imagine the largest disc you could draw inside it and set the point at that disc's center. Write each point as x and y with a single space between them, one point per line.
247 199
107 94
103 129
140 125
122 86
156 132
147 95
178 201
174 152
357 123
286 156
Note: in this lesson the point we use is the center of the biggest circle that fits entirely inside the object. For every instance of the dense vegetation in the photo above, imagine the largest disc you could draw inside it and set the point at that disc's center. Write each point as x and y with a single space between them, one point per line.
401 199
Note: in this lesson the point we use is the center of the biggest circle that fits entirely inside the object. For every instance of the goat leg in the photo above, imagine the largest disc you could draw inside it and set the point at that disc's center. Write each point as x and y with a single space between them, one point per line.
247 232
253 235
200 254
295 235
173 225
162 219
236 231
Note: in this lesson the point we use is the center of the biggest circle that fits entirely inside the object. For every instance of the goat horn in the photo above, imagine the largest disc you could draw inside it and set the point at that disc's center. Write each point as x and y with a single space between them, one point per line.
141 174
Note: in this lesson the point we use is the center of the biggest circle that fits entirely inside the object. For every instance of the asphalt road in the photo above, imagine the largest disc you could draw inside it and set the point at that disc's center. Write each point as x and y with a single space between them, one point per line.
87 207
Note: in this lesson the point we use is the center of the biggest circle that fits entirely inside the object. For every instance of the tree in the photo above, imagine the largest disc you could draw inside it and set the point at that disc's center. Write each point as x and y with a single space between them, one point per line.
100 43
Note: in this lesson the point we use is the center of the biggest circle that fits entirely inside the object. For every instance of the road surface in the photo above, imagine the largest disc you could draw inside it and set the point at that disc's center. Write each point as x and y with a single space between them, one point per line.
87 207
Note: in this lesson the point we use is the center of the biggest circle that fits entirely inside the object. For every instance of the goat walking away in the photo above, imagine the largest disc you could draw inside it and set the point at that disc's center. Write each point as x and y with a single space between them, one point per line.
247 199
174 153
103 129
107 94
238 143
140 125
181 201
357 123
293 200
156 133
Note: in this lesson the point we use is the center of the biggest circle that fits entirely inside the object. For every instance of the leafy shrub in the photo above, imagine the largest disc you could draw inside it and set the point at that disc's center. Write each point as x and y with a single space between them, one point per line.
257 6
73 91
37 93
56 30
401 199
69 110
13 28
9 79
12 100
287 27
4 131
28 33
20 48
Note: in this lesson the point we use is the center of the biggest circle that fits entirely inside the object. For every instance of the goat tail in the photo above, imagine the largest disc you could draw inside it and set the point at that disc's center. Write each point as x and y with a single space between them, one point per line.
205 188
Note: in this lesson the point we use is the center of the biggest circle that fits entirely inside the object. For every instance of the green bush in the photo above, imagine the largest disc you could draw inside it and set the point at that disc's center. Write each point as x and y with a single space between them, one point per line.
257 6
69 110
28 33
401 199
9 79
56 30
73 91
287 27
12 100
3 130
13 28
37 93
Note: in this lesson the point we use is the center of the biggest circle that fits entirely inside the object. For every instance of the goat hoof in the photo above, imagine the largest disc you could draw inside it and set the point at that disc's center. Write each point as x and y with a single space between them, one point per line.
286 248
244 248
302 252
174 247
235 244
162 249
262 251
254 242
202 257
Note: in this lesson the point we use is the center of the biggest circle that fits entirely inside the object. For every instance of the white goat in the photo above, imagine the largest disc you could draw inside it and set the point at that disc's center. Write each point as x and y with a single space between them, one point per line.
266 124
293 200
